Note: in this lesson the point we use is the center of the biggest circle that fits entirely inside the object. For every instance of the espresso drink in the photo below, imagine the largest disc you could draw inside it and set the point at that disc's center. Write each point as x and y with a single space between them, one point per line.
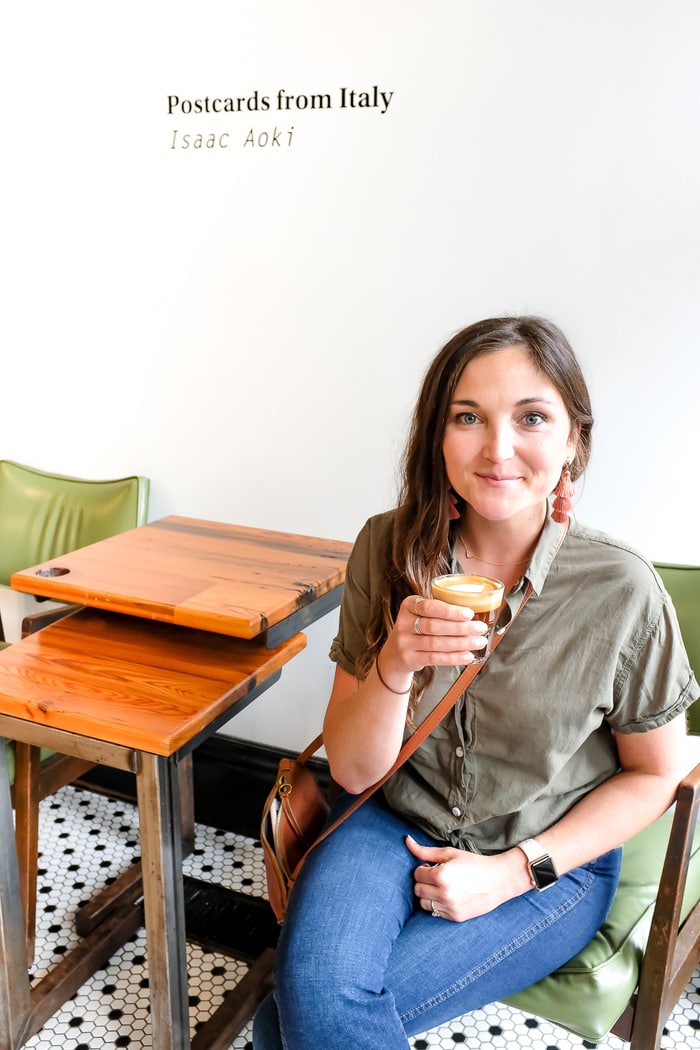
479 593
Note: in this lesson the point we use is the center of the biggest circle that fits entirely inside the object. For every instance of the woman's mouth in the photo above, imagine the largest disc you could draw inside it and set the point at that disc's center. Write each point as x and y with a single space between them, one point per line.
498 479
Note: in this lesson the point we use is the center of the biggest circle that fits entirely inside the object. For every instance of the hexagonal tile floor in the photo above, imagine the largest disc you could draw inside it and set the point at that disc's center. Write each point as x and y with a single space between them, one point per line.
88 839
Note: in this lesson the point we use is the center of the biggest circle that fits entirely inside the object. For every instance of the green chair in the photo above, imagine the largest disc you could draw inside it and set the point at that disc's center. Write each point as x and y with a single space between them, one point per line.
43 516
630 977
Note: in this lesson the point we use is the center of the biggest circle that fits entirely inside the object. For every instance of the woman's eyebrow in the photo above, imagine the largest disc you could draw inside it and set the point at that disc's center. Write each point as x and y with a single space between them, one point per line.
537 400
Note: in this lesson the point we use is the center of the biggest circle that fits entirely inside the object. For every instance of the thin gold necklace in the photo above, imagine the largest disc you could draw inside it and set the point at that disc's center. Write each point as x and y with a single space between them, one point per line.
498 564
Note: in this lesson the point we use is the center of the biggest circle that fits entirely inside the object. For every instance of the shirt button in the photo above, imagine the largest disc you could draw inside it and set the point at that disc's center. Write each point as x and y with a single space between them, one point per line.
456 811
459 752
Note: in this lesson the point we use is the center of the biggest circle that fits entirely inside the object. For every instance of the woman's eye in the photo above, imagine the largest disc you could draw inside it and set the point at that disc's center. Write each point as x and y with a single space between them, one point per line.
467 417
533 419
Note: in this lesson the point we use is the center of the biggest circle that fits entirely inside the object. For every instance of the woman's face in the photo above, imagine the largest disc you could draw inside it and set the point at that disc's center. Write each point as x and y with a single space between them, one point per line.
507 437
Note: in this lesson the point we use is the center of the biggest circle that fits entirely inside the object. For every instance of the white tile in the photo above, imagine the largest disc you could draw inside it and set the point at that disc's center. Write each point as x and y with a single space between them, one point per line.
87 839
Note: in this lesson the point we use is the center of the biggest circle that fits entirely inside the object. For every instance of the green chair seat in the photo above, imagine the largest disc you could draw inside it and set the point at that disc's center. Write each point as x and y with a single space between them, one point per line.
589 993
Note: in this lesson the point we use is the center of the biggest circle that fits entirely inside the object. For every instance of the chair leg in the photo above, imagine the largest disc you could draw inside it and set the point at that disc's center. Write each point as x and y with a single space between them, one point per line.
26 803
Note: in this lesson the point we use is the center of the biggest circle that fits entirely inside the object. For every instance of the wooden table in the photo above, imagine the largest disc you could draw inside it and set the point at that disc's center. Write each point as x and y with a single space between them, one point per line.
249 583
106 686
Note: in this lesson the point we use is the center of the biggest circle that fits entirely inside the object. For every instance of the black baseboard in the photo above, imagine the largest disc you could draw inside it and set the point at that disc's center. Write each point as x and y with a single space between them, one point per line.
232 779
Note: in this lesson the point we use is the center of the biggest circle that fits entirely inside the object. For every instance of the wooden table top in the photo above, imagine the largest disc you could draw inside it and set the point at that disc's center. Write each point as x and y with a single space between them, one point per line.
147 686
229 579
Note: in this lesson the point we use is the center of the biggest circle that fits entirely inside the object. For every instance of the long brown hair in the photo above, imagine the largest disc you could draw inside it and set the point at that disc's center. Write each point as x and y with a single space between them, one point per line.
420 546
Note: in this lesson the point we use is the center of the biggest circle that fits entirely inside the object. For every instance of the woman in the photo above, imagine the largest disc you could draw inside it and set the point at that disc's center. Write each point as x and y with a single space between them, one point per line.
426 902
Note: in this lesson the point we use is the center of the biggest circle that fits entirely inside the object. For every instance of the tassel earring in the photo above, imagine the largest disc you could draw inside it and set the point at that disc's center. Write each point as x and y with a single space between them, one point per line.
561 507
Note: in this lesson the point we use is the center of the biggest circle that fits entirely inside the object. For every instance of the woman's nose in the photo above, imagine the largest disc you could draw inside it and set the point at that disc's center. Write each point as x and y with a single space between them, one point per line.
499 443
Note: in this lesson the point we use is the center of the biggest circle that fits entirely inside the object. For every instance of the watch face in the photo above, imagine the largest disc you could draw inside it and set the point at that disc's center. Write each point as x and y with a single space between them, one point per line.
544 873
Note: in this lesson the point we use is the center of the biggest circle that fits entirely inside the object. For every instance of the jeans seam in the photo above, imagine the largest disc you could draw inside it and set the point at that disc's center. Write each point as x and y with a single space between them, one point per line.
507 949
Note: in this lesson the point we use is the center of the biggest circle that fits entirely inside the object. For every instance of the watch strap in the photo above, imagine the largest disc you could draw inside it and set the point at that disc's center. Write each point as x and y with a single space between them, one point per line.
533 850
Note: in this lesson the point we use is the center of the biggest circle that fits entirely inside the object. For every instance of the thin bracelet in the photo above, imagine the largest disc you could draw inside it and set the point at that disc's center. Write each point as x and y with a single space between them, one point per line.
396 692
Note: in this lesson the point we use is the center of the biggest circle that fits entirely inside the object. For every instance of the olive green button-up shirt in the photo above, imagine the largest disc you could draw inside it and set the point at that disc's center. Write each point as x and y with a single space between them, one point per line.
596 649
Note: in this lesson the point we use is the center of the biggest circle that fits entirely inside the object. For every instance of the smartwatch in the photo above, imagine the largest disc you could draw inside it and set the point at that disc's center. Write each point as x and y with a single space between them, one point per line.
542 870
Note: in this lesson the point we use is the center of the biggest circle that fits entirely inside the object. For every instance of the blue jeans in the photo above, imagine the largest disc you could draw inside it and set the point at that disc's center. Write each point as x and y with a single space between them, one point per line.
360 965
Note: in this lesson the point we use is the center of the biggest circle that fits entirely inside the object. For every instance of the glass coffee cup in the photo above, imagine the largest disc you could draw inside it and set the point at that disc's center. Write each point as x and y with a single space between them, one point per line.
481 594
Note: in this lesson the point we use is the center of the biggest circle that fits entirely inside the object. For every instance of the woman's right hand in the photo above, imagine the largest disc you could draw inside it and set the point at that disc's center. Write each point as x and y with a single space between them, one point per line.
430 632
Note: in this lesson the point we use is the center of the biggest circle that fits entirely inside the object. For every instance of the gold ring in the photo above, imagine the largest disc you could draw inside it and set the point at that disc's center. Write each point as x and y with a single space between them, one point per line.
416 625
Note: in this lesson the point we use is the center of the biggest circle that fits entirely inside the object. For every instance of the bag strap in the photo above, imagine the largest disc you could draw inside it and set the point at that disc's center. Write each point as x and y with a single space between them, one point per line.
459 686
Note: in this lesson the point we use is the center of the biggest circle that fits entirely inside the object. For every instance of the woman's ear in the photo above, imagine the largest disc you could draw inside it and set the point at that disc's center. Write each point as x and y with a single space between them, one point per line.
572 444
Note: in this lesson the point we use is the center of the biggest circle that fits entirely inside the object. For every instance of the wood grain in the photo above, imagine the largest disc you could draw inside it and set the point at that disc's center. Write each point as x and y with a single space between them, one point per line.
143 685
212 576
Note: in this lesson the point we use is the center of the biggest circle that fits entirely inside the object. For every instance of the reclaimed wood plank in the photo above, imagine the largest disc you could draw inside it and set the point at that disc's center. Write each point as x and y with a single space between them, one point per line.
148 686
229 579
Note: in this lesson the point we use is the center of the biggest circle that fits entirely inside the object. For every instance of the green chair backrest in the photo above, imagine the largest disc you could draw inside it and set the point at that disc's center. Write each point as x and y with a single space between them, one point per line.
683 584
45 515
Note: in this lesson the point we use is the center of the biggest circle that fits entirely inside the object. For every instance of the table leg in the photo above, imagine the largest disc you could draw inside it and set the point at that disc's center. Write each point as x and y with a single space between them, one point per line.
185 771
90 915
15 1006
161 856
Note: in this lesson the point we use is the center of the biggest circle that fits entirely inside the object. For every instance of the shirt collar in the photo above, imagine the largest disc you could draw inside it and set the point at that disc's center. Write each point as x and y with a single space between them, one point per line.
544 553
542 557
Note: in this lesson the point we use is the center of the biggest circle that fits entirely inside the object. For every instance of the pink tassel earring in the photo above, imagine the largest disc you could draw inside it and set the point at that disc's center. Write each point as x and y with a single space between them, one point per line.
561 506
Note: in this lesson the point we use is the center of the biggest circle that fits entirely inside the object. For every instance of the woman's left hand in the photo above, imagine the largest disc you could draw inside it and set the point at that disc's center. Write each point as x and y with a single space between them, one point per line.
457 885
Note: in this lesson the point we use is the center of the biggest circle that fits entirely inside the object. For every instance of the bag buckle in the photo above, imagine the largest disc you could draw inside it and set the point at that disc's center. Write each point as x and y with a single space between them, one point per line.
283 785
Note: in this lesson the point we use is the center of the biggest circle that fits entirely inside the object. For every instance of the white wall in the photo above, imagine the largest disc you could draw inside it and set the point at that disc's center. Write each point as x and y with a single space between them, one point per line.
248 326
